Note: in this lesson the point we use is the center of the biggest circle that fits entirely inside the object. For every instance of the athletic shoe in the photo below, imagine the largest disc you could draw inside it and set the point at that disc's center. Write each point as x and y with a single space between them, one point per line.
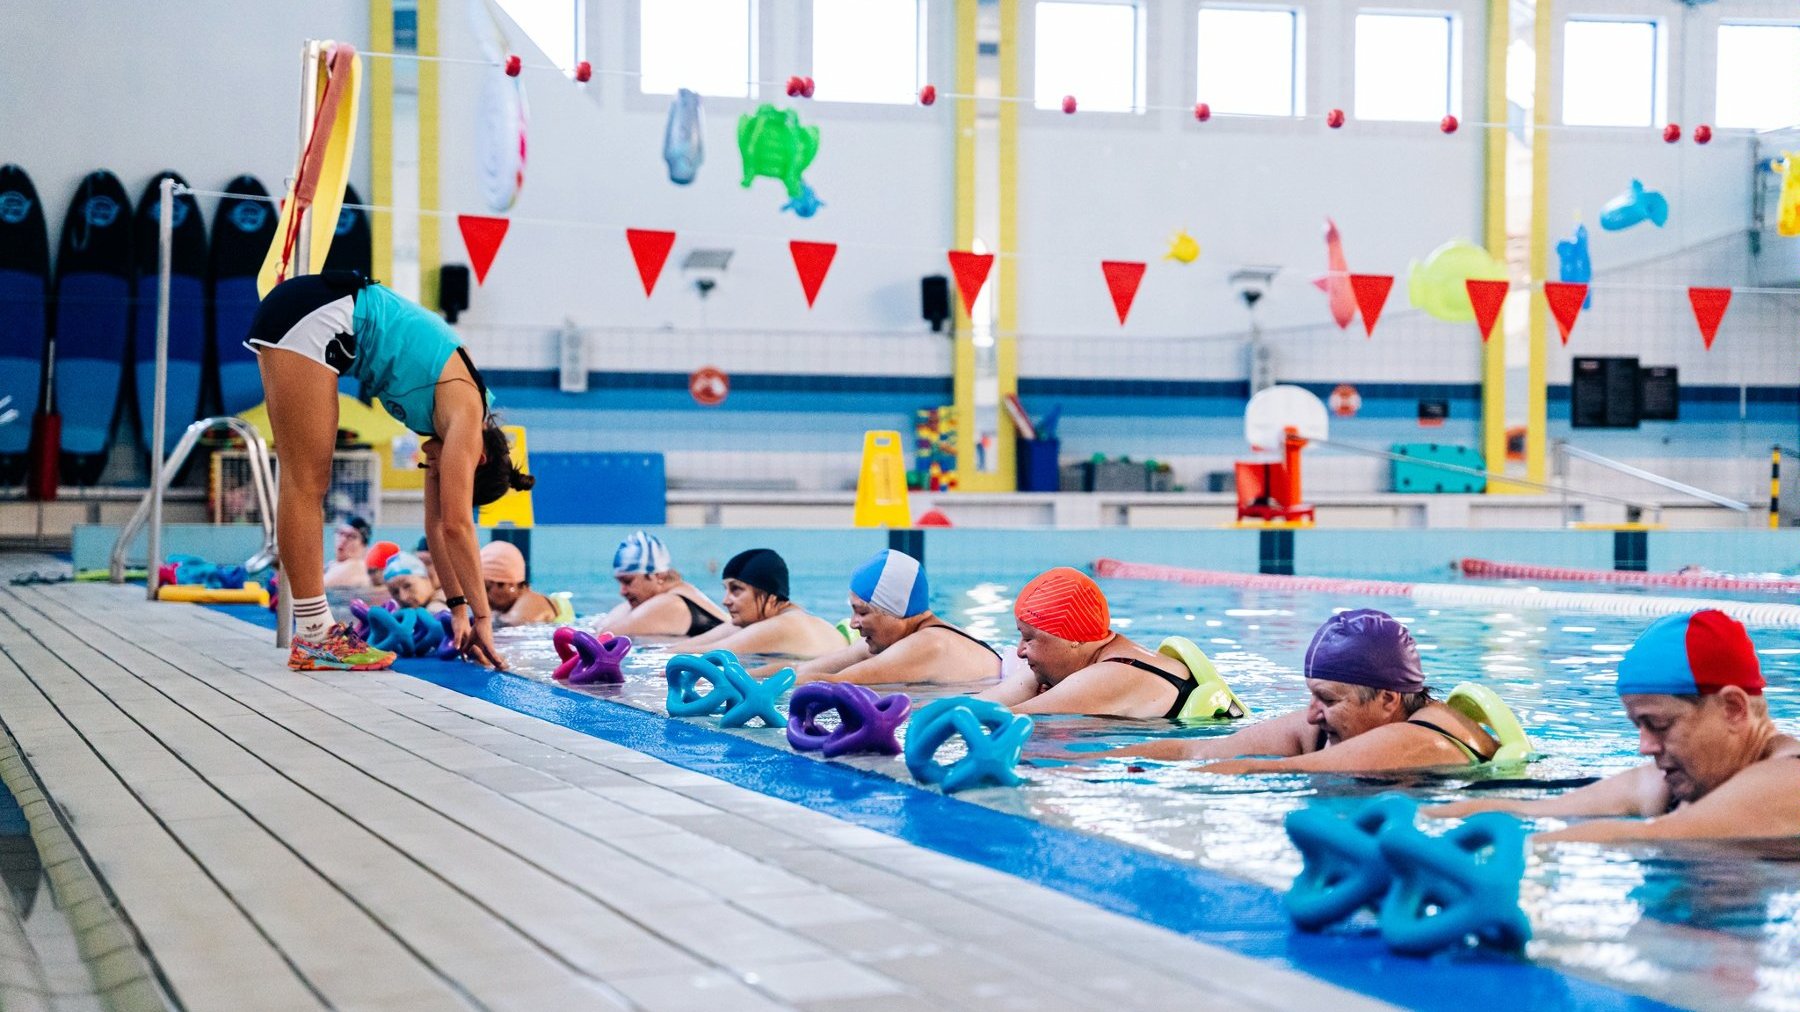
340 650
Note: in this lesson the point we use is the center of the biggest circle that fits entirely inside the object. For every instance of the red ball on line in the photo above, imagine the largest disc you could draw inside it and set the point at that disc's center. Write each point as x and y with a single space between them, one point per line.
1202 111
513 66
928 94
584 71
1068 105
1448 124
1672 133
1702 134
793 86
1334 119
806 87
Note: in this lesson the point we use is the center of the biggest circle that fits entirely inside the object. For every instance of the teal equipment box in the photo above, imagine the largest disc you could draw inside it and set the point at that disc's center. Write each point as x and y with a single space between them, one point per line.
1416 474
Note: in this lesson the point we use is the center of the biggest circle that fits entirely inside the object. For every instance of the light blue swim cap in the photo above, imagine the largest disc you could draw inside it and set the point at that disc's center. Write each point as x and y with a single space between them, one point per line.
894 582
642 552
402 564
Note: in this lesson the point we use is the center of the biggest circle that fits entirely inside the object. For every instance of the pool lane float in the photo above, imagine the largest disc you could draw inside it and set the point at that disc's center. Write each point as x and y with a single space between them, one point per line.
180 593
867 722
995 738
736 696
850 635
1211 699
1483 706
1431 892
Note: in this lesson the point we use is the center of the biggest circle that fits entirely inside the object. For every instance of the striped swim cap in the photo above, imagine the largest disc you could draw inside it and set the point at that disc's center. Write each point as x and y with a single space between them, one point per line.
641 552
894 582
1064 603
1694 654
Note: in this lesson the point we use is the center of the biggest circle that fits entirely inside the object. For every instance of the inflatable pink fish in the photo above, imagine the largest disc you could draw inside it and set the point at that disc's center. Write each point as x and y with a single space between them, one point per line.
1336 283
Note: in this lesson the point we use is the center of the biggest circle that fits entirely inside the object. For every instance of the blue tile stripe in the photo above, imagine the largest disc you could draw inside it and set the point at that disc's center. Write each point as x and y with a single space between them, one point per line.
1215 909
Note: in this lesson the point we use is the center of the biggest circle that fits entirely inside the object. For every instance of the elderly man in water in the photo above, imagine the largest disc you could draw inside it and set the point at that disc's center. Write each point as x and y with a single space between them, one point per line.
1370 712
1719 767
890 604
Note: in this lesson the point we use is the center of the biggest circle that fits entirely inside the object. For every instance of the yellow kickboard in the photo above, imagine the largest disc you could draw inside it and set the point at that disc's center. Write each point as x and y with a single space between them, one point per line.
340 148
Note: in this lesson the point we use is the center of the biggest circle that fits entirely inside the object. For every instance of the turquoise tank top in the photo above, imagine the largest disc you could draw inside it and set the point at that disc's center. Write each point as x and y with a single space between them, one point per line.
401 350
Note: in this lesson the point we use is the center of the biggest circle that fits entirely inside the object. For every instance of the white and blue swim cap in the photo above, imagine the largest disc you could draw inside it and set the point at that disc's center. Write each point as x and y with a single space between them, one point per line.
894 582
642 552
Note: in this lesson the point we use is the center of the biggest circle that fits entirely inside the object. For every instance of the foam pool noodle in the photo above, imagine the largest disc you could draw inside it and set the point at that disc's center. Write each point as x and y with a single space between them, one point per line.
1450 888
867 722
994 735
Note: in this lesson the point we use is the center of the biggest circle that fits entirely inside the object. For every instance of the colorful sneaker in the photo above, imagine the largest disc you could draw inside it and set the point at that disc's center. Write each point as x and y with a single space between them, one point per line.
340 650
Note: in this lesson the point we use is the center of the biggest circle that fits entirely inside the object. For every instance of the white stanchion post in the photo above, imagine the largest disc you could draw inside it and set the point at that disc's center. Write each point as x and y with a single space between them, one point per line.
165 243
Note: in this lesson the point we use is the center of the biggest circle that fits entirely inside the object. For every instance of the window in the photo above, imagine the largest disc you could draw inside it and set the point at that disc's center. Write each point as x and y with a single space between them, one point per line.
554 26
1759 76
1611 73
1249 61
706 46
1090 51
1406 66
868 50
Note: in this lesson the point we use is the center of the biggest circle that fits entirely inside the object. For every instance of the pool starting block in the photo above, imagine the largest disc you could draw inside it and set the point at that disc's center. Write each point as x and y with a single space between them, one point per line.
995 737
867 722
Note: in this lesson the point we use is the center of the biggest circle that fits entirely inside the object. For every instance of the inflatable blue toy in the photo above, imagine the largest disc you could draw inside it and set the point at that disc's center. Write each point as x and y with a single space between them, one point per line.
995 737
1450 888
191 570
1342 870
683 142
806 204
1635 206
1572 263
867 722
409 632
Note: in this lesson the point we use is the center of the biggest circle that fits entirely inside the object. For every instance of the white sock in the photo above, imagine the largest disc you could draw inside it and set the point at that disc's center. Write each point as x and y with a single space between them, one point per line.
312 618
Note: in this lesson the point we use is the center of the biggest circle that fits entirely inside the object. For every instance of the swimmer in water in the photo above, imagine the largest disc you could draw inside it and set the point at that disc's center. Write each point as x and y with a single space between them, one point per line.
763 618
503 577
658 601
902 641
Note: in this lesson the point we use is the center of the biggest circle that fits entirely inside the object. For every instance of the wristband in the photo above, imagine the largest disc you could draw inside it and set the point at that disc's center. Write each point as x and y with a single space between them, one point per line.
458 601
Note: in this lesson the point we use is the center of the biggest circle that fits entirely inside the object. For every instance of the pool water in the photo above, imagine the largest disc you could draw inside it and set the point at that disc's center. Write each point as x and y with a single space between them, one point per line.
1703 925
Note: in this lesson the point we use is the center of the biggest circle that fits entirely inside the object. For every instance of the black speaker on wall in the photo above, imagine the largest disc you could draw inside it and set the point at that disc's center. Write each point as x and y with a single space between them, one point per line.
453 290
1662 393
1605 393
934 300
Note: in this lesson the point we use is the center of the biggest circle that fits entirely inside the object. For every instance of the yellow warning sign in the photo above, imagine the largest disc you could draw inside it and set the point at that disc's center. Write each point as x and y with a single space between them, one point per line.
513 508
881 499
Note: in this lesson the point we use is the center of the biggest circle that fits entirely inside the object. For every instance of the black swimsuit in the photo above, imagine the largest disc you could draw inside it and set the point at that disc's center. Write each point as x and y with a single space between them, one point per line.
985 645
1474 756
1184 687
699 619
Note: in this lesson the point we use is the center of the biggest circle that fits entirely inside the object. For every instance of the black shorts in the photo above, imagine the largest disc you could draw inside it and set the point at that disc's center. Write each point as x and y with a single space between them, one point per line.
313 315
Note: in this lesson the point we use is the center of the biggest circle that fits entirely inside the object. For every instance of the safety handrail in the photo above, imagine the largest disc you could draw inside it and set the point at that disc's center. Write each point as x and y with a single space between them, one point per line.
1632 504
261 480
1652 477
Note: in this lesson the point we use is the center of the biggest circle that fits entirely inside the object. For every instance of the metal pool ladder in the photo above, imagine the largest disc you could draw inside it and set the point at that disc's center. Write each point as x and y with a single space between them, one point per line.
262 480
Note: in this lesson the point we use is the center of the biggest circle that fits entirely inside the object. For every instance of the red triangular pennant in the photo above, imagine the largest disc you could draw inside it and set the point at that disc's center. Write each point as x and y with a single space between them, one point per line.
649 250
1122 280
481 237
1371 292
1565 298
811 261
1709 309
971 270
1486 297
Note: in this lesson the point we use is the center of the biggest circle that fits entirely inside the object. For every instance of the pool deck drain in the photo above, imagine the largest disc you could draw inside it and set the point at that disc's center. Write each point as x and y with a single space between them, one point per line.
371 840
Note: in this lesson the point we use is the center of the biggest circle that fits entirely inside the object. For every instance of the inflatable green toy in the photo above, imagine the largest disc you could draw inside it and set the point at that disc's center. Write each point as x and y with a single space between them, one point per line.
774 144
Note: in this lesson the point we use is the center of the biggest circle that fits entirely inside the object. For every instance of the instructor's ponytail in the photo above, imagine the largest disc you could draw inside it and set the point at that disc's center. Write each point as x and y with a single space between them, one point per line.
496 474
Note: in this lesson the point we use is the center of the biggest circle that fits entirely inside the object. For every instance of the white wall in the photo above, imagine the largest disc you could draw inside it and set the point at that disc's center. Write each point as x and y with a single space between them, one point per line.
1099 186
595 156
209 88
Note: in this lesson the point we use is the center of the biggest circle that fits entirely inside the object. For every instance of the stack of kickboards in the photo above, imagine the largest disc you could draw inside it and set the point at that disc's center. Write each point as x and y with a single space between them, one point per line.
78 343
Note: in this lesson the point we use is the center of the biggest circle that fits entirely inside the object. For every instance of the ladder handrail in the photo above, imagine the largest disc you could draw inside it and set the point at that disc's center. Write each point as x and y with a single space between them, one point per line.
1652 477
261 480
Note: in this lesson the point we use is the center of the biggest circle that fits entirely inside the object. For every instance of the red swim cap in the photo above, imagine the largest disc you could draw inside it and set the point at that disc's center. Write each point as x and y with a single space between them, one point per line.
379 554
1064 603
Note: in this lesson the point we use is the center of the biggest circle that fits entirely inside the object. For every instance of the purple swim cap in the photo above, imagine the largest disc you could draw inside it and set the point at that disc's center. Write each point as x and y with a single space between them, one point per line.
1365 647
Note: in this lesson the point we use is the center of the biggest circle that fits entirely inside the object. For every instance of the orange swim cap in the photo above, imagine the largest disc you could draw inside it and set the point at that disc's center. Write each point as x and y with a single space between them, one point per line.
1064 603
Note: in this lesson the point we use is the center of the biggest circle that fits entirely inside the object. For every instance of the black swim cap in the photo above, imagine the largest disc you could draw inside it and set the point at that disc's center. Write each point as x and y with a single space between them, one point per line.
760 568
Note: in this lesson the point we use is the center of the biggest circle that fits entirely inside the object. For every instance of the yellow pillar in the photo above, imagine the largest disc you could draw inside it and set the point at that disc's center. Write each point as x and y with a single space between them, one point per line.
381 137
430 224
1537 416
1006 327
963 385
1493 353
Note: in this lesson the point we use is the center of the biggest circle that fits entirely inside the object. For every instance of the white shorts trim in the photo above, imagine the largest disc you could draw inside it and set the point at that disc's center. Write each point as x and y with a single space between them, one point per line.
316 332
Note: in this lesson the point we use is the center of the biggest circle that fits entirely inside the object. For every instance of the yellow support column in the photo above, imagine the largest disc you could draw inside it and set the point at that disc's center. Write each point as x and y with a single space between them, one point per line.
1006 328
430 224
963 384
1537 415
381 137
1493 353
